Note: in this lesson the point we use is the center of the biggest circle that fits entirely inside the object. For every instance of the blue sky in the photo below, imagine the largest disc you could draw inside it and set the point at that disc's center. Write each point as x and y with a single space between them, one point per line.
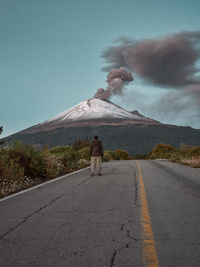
50 53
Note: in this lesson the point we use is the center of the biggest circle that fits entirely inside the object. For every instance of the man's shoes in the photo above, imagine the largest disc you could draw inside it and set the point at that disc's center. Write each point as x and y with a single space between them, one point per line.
99 174
92 174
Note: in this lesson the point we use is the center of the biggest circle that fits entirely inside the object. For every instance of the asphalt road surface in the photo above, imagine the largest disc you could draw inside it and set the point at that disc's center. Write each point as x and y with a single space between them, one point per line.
139 213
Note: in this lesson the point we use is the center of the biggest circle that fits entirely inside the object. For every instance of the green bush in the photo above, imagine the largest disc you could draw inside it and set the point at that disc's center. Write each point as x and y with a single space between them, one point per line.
84 153
123 154
106 157
9 169
195 151
60 150
27 157
12 176
162 151
185 151
111 155
70 160
21 165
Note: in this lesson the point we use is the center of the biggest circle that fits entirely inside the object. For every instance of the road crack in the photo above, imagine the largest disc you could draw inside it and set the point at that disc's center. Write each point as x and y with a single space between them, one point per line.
129 235
115 254
113 258
124 228
29 216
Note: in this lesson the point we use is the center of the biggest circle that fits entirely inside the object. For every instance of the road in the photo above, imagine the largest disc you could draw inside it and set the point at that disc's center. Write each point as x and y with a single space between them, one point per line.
139 213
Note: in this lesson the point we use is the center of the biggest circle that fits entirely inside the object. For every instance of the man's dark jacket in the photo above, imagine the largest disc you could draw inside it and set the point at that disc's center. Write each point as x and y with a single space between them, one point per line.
96 149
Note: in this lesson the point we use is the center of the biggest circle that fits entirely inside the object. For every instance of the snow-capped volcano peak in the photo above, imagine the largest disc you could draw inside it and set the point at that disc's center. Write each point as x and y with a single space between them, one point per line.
91 112
92 109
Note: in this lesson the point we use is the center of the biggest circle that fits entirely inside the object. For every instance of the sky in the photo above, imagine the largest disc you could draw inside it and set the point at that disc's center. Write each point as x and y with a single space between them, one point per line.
51 57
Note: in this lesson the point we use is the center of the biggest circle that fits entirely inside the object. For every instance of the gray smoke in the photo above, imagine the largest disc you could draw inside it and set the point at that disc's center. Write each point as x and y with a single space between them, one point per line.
170 61
180 105
103 94
116 80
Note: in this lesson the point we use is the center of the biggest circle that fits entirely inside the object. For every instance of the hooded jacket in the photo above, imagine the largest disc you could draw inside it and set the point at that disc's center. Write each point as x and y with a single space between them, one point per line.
96 149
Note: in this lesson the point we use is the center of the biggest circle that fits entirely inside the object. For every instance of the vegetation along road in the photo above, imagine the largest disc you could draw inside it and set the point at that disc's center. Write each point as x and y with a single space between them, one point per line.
139 213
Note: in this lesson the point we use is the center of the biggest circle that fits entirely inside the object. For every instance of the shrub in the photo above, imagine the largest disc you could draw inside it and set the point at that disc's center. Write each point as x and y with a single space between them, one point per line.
53 166
72 156
84 153
82 163
162 151
185 151
12 176
111 155
9 169
123 154
60 150
106 157
195 151
22 165
70 160
27 157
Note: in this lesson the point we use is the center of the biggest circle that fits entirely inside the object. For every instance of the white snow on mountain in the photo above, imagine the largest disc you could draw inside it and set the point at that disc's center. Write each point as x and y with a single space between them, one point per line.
94 108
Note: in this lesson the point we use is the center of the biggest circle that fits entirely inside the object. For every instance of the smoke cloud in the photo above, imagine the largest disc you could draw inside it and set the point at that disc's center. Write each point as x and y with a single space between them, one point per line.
181 106
116 80
169 62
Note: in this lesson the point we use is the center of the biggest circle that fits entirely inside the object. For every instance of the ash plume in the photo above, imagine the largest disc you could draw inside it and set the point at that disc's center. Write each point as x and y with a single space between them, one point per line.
116 80
183 105
103 94
169 62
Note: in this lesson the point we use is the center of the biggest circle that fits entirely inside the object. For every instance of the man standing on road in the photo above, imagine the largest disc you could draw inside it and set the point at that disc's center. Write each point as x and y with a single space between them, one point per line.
96 154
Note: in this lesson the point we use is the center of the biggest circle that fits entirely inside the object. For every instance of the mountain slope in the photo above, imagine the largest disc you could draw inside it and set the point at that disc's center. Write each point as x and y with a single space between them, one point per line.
94 109
116 127
90 112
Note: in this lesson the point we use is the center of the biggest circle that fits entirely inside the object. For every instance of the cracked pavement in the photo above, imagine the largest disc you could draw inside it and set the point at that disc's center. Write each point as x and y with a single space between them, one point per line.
95 222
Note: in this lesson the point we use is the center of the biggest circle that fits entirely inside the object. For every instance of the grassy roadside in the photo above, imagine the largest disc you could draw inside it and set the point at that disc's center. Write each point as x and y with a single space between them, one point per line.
185 155
23 166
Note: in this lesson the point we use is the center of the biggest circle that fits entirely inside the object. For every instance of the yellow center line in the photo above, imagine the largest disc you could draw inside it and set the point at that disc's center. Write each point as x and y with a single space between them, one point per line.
150 257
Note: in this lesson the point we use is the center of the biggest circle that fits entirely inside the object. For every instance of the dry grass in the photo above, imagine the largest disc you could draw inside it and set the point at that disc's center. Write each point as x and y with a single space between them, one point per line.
193 162
186 155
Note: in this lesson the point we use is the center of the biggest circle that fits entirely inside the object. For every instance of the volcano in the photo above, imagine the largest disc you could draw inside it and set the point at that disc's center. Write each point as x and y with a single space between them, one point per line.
90 112
95 109
116 127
